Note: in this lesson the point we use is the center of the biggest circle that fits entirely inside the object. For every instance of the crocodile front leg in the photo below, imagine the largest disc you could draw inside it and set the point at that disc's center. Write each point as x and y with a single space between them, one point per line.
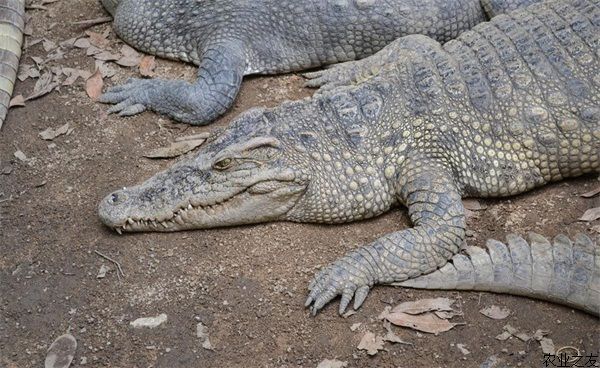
435 208
219 78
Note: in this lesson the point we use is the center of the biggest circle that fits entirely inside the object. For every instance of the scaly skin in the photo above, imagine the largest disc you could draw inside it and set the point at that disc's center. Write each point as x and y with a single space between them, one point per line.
12 22
560 271
228 39
507 107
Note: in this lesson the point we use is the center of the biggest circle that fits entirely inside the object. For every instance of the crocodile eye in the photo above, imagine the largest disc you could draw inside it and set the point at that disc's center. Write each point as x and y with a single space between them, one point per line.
223 164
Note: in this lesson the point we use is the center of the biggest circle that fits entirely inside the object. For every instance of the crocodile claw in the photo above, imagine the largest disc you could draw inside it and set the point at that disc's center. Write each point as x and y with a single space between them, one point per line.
131 98
336 280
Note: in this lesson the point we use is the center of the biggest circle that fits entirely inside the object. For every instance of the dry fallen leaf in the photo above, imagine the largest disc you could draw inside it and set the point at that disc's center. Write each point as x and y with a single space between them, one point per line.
73 74
334 363
107 56
495 312
447 314
94 84
82 43
105 69
28 71
97 39
523 336
391 336
473 204
175 149
503 336
371 343
128 61
43 86
130 56
425 305
508 332
591 215
50 133
547 345
18 100
49 45
591 193
21 156
147 65
102 272
426 322
463 349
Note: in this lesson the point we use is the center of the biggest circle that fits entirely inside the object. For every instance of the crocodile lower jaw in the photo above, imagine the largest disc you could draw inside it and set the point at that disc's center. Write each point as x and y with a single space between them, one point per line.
185 217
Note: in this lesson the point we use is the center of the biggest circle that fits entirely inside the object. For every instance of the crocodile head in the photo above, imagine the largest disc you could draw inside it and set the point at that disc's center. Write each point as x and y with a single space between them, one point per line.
239 176
289 163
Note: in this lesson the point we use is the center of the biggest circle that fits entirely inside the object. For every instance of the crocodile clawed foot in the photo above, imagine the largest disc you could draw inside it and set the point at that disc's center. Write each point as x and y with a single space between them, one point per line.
333 281
328 79
131 98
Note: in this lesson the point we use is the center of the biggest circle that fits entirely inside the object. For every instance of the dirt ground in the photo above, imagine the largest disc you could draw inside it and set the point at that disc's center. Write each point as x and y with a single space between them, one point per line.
246 284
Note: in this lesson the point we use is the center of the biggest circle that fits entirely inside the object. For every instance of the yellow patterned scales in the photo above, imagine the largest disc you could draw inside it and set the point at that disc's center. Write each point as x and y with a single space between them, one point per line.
12 22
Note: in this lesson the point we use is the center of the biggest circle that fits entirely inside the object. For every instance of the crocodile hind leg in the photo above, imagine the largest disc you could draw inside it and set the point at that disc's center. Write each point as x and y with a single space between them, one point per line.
385 61
435 208
219 78
356 72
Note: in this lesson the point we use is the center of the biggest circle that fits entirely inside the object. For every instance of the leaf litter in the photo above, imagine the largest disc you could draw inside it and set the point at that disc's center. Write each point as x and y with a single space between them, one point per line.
371 343
96 45
495 312
51 133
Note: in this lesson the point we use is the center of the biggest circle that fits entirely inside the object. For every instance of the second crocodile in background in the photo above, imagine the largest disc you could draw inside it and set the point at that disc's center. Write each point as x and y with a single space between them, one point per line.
228 39
509 106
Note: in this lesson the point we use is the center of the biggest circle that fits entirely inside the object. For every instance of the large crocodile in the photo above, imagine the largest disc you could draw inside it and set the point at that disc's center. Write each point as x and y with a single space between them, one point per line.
232 38
506 107
12 23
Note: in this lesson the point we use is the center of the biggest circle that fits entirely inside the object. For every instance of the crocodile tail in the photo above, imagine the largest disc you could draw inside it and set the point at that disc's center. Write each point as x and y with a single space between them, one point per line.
562 271
12 23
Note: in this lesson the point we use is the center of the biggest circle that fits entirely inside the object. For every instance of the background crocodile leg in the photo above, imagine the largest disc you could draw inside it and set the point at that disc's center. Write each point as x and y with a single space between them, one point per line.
219 79
12 23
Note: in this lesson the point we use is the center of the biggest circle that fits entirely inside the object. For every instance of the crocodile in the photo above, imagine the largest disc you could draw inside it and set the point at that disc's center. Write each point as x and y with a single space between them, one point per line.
509 106
230 39
12 23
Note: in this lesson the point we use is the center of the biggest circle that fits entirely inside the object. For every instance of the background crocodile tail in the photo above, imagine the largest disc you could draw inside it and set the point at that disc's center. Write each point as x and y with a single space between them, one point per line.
12 22
560 271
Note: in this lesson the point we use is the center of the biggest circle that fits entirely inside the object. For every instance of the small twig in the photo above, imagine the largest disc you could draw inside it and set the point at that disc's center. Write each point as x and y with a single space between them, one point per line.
119 269
92 22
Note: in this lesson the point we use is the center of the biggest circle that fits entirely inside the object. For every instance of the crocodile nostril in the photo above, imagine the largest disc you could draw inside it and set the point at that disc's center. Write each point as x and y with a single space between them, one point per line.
114 198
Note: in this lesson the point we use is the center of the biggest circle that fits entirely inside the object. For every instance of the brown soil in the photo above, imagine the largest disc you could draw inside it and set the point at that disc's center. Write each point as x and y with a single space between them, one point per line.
247 284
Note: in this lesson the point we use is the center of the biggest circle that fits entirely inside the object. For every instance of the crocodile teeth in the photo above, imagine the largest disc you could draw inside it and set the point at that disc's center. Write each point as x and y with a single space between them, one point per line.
179 220
130 221
118 229
164 224
190 207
